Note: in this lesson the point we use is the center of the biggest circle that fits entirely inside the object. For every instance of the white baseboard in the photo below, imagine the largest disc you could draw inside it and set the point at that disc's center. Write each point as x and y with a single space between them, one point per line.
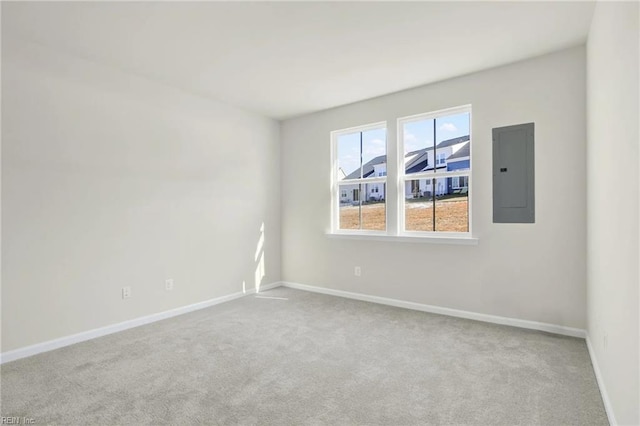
110 329
603 390
533 325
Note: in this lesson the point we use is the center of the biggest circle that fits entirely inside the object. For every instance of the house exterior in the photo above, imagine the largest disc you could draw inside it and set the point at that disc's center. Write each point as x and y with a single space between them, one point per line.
460 160
452 154
369 192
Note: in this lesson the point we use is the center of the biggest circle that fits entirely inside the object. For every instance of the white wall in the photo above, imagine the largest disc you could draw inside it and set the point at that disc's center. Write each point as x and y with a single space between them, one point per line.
111 180
533 272
613 213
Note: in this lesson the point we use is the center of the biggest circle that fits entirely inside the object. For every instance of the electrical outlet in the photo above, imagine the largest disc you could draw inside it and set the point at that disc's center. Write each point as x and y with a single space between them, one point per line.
358 271
126 292
168 284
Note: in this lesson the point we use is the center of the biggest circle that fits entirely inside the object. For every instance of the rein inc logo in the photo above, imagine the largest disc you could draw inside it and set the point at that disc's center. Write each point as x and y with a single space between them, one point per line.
15 420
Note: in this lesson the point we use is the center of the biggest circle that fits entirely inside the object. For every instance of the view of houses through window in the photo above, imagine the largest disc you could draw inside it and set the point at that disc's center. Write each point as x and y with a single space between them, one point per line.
437 162
434 178
362 163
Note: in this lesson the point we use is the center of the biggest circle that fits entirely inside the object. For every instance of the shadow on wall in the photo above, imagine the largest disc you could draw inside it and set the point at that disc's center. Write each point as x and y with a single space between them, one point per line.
259 263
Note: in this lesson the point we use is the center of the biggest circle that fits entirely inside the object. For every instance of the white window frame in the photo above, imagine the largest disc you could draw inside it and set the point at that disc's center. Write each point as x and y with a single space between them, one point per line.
396 202
432 174
335 180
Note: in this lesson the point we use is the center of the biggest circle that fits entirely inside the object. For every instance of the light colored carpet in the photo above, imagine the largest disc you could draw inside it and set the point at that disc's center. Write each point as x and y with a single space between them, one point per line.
288 357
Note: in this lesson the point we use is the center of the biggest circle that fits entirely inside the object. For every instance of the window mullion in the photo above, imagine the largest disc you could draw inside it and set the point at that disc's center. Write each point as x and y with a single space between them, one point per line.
360 186
433 181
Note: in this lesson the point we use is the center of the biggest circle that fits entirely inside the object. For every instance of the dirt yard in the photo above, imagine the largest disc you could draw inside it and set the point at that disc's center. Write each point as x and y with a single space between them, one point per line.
452 215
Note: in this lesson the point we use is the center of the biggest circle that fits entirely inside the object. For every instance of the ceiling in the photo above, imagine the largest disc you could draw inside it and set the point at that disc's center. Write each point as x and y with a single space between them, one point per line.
286 59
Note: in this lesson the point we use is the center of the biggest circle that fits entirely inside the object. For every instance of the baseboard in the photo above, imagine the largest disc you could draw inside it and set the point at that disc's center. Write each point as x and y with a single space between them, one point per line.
603 390
110 329
103 331
532 325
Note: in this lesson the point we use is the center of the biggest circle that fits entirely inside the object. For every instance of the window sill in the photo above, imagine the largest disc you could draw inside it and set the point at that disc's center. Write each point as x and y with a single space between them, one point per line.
471 241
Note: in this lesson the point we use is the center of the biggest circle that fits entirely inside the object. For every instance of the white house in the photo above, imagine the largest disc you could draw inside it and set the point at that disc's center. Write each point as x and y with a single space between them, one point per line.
372 191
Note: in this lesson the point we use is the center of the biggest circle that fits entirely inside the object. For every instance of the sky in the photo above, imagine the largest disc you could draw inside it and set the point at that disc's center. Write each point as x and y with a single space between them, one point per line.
417 135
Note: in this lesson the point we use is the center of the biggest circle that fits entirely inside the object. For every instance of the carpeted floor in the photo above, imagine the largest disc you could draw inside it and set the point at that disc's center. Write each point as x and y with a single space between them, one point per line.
288 357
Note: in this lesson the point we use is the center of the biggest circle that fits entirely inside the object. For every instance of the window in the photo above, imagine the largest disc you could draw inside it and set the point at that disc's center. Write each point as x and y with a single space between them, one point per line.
360 157
459 182
432 171
435 199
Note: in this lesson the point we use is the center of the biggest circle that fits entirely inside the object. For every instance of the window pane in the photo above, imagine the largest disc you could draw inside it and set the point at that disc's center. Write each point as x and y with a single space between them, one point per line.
374 215
363 206
418 146
349 156
453 142
374 153
418 213
349 206
452 208
451 204
368 149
